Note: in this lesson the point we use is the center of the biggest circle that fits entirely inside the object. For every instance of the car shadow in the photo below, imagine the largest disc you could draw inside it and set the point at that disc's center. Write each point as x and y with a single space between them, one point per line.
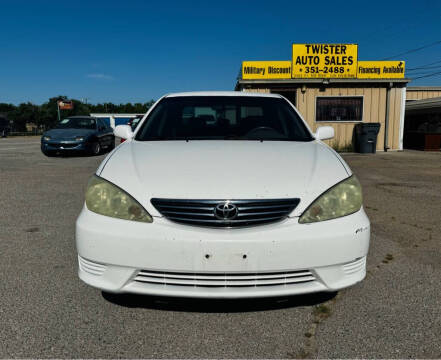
216 305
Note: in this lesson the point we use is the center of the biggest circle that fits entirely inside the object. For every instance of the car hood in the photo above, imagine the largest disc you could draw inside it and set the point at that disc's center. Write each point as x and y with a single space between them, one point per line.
224 170
68 133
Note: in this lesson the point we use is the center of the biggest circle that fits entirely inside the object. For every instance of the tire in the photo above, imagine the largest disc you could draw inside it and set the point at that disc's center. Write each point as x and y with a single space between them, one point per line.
95 148
48 153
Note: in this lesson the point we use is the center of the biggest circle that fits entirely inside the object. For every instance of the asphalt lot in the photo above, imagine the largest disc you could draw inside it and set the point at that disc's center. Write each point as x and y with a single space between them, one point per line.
45 311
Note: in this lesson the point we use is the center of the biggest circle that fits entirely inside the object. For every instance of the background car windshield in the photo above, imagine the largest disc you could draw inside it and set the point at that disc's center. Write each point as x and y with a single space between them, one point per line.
223 117
77 123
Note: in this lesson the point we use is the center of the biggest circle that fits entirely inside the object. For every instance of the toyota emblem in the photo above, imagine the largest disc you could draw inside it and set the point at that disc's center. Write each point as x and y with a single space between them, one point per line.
226 211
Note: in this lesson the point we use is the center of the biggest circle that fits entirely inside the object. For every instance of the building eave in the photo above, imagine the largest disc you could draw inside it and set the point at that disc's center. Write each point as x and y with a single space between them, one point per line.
319 81
241 83
423 104
424 88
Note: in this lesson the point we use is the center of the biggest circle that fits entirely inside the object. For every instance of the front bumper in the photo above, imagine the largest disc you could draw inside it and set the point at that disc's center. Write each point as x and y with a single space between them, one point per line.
169 259
61 146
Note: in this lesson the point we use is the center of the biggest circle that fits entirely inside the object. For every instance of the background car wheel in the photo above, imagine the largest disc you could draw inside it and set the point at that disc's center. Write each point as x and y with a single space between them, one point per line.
48 153
95 148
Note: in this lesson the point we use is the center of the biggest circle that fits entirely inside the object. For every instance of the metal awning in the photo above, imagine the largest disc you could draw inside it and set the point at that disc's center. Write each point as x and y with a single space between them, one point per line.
423 104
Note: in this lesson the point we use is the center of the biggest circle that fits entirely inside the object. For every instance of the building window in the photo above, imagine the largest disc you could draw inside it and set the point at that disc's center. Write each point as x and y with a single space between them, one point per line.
340 108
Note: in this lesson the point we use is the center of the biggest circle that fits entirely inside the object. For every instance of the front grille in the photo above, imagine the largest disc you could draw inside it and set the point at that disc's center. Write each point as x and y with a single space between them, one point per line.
207 213
65 145
224 279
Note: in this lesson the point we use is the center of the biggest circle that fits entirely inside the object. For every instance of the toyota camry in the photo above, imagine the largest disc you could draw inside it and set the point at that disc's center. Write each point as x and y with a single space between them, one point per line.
224 195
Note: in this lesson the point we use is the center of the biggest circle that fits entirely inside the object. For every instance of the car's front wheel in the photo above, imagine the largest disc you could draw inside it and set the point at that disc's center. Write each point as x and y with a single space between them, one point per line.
95 148
48 153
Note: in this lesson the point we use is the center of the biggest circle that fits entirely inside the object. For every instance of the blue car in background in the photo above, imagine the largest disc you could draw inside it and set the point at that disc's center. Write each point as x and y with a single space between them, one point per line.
81 134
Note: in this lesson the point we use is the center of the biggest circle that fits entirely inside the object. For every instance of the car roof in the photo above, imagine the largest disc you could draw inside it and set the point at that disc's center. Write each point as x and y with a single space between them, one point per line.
223 93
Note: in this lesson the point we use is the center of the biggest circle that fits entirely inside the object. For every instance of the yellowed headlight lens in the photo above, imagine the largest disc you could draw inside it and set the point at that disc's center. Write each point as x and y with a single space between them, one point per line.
102 197
343 199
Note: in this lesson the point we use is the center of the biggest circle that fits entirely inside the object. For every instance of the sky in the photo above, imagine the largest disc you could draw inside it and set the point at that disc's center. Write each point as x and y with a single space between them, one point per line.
134 51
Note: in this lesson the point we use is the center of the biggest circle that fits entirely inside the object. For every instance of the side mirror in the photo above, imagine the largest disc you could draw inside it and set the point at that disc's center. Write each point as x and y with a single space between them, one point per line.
123 131
324 133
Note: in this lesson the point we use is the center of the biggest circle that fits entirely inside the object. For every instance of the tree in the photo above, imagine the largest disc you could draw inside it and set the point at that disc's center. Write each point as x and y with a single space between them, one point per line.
6 108
23 114
49 113
46 114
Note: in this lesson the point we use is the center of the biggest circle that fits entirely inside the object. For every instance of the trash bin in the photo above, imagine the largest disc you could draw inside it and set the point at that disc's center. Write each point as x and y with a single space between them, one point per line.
366 137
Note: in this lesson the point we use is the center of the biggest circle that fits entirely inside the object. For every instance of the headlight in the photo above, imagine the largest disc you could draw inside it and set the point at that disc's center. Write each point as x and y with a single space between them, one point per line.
46 138
102 197
79 138
342 199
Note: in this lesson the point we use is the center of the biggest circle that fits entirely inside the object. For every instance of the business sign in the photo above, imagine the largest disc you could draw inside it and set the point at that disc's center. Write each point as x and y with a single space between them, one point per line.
65 104
380 70
324 61
266 70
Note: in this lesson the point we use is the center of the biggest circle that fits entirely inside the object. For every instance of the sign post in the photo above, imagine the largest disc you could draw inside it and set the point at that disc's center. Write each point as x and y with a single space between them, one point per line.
58 110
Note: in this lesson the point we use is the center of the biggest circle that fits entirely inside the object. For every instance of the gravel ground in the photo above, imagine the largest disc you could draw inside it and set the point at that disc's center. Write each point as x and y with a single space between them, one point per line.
45 311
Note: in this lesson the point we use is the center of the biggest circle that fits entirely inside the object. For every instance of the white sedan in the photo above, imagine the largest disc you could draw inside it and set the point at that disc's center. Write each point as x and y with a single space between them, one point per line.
223 195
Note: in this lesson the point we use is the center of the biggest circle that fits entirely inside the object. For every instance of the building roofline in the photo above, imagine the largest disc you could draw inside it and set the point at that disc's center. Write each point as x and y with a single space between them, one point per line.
424 88
424 104
241 82
315 81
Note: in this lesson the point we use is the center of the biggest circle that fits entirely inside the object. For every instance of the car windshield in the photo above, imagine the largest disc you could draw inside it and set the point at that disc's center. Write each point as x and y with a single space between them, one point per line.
223 117
77 123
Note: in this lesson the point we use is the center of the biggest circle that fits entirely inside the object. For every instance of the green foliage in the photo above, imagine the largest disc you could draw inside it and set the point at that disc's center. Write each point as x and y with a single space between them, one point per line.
22 114
5 108
46 116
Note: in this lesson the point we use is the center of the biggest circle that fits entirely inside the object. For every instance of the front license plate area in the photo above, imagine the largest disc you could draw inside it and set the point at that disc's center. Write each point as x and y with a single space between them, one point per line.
225 260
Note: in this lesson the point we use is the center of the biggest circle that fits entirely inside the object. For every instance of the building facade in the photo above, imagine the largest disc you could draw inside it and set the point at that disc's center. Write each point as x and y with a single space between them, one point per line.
330 86
422 92
334 102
